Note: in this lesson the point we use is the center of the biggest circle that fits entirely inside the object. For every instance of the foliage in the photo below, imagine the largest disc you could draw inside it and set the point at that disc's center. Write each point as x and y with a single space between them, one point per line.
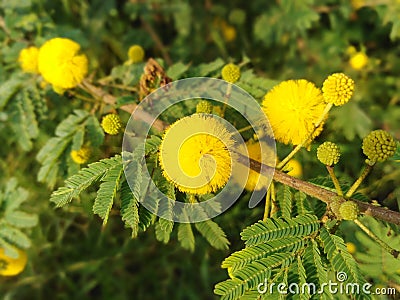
101 242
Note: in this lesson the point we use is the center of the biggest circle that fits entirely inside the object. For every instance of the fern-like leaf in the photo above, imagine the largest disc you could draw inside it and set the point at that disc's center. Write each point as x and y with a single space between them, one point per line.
129 209
213 233
107 192
272 229
185 236
85 177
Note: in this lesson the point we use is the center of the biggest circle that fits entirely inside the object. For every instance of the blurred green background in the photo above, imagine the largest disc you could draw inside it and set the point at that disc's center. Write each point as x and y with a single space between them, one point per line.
72 256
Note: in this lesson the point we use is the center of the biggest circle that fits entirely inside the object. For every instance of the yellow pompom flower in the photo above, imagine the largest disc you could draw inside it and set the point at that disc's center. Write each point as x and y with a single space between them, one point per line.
293 108
378 146
351 247
61 64
358 60
194 154
204 106
230 73
82 155
228 32
111 124
338 89
294 167
12 266
328 153
28 59
135 54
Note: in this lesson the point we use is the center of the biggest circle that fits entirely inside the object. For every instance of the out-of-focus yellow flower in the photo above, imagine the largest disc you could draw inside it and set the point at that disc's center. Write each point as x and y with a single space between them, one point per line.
61 63
293 108
294 167
28 59
357 4
358 60
254 177
351 247
135 54
82 155
228 32
12 266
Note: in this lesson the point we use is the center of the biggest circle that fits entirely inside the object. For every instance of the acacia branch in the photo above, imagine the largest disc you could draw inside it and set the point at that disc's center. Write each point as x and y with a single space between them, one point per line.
310 189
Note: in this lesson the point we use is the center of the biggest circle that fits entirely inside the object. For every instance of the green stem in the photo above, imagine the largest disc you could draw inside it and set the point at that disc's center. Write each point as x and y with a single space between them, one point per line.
245 128
267 204
360 179
226 98
307 139
372 235
335 180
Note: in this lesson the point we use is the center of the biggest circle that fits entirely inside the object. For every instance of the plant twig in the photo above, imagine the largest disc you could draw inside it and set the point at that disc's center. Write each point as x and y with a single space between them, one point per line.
157 40
335 180
360 179
373 236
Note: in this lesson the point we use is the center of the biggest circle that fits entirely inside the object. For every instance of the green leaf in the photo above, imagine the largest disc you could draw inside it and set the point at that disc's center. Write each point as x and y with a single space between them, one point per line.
14 236
21 219
213 233
8 89
206 69
129 209
185 236
107 192
284 196
163 230
176 71
272 229
68 126
124 100
85 177
95 134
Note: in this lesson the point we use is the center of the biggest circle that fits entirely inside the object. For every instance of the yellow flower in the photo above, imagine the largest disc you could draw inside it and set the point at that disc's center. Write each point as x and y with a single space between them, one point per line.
135 54
351 248
12 266
358 61
338 89
294 167
357 4
293 108
61 64
254 152
82 155
28 59
111 124
230 73
228 32
194 154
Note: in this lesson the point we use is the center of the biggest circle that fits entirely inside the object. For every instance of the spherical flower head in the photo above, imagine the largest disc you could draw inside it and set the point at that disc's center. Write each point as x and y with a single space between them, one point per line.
378 146
293 108
349 210
334 206
230 73
294 168
328 153
82 155
358 61
205 107
351 247
28 59
338 89
61 63
228 32
12 266
111 124
194 154
136 54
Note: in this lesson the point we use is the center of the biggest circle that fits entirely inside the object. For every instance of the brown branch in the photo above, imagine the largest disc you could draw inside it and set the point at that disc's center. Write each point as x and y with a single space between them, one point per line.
100 94
310 189
157 40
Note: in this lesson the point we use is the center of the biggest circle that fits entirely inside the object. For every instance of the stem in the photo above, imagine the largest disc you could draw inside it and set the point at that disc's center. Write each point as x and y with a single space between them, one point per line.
335 180
360 179
307 139
226 97
157 40
373 236
267 205
245 128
